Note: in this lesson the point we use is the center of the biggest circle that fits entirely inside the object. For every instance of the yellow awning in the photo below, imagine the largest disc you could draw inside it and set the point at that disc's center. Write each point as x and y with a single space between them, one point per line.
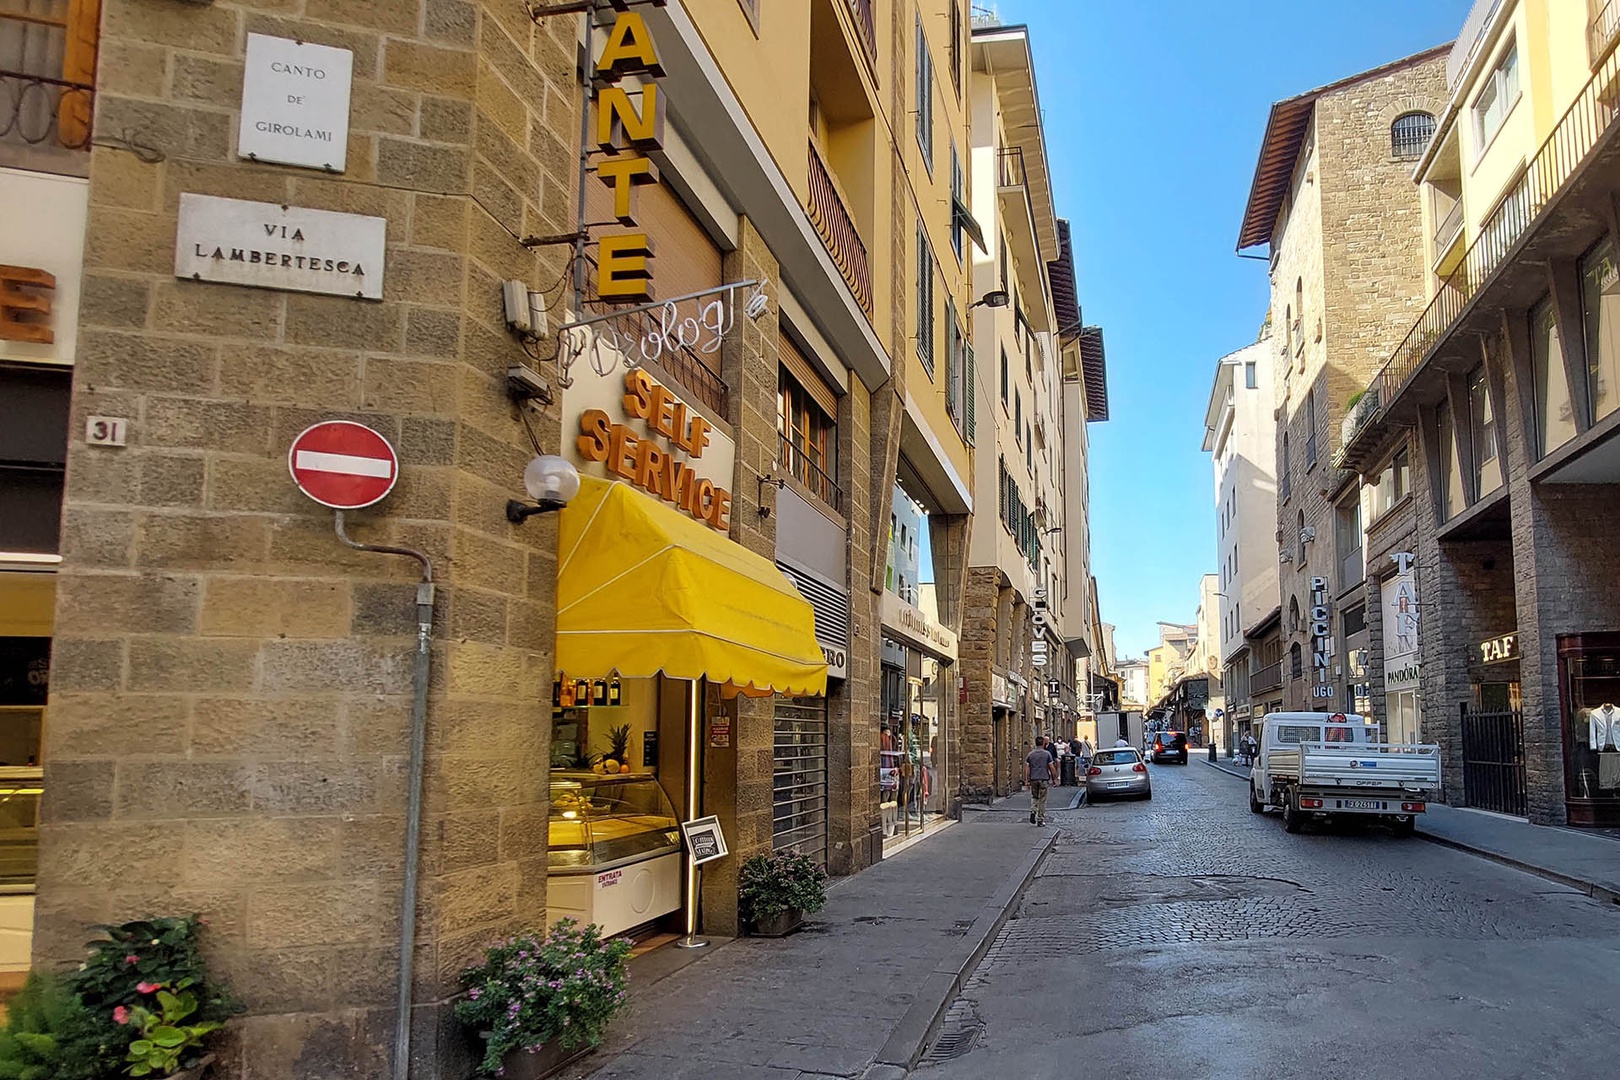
642 588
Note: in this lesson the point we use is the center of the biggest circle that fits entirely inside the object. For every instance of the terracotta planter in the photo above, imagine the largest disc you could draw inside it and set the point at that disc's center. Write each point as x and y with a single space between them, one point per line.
778 925
550 1058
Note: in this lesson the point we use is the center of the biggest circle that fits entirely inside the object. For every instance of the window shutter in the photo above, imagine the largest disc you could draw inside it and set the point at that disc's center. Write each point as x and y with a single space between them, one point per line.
805 374
972 397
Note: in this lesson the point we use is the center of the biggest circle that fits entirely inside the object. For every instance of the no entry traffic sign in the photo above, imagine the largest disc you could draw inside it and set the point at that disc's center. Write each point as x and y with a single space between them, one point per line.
341 464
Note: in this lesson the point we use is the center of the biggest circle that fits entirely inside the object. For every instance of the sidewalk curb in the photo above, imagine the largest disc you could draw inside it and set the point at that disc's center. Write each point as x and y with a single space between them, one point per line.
1218 767
1590 888
905 1045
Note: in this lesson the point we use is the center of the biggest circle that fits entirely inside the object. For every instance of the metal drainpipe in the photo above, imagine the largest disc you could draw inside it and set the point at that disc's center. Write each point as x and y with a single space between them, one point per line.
413 804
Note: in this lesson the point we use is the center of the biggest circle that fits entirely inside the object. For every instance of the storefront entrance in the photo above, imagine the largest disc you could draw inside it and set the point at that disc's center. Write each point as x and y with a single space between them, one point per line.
1493 760
799 777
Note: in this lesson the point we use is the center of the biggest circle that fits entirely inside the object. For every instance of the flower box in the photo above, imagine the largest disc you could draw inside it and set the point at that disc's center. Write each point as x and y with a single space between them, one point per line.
546 1061
779 925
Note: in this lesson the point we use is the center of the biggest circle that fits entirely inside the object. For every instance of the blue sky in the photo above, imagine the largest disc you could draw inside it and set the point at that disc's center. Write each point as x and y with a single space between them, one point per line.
1154 113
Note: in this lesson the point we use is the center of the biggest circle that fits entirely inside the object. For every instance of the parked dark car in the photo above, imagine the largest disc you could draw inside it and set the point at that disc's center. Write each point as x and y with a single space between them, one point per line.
1168 746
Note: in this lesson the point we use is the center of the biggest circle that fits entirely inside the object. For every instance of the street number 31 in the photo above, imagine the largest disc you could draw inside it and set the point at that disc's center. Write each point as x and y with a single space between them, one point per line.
106 430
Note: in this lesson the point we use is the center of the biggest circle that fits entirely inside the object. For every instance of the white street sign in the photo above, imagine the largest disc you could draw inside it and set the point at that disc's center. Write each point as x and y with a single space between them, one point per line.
295 103
279 247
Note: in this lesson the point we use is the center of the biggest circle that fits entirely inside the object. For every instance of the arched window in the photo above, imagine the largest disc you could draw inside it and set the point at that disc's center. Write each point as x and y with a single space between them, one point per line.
1296 662
1293 614
1409 135
1299 538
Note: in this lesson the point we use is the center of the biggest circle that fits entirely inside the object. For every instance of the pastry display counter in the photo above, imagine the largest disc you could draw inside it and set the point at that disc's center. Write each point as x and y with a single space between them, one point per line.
615 850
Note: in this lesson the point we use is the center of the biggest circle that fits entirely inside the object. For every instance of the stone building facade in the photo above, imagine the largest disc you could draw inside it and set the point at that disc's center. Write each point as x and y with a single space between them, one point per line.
1333 199
231 685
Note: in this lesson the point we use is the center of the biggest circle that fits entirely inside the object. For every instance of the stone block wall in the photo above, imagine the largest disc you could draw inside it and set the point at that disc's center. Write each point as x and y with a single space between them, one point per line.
231 686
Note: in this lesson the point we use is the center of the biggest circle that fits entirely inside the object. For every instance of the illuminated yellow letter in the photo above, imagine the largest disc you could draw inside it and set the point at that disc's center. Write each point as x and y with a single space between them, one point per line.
622 174
622 273
616 114
629 51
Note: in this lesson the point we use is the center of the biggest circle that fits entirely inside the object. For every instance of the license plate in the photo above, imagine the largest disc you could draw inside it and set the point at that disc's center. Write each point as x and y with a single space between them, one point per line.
1360 804
1120 783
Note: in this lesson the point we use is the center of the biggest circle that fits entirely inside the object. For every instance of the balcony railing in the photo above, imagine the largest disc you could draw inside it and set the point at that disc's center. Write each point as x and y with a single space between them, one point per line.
866 23
798 464
1446 233
1603 26
1587 119
1010 168
47 72
830 215
1357 416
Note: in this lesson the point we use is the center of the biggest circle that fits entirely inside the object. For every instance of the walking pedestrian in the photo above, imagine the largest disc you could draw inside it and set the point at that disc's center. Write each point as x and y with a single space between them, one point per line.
1040 770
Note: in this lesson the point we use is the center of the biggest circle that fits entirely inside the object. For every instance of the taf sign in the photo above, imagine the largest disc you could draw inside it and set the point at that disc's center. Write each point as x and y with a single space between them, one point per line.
1499 650
295 103
343 465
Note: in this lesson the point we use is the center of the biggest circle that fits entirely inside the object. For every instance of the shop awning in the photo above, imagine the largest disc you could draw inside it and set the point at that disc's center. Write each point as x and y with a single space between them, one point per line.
642 588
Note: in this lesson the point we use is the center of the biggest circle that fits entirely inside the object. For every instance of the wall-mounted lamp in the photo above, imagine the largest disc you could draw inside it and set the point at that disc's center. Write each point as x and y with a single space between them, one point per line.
551 482
997 298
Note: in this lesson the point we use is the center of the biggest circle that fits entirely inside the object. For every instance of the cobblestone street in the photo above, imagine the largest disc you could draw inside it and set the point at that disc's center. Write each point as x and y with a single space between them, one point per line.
1186 937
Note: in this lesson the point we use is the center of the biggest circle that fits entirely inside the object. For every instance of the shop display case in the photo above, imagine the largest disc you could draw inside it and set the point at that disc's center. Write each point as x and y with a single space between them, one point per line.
615 850
1589 692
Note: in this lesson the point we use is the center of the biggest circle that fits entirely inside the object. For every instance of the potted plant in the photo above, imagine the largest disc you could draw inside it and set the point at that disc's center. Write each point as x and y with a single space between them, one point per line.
50 1035
147 985
776 891
540 1002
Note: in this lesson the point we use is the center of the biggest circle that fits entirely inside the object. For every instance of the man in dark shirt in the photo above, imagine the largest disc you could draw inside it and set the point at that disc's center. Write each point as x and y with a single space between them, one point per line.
1040 769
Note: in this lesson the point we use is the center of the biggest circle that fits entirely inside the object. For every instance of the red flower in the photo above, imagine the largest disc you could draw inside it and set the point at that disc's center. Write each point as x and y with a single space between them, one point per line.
148 987
132 959
121 1015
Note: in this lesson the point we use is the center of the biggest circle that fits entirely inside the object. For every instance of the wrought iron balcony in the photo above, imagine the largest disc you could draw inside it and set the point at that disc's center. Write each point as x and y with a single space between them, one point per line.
1603 25
829 213
1445 234
1356 418
1586 121
47 88
799 464
866 23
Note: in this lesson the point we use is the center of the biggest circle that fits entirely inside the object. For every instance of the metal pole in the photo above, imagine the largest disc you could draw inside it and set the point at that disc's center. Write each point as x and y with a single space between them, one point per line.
580 234
413 800
694 810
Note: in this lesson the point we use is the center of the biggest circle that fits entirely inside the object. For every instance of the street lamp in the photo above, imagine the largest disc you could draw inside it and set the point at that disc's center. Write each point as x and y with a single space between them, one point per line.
551 482
994 298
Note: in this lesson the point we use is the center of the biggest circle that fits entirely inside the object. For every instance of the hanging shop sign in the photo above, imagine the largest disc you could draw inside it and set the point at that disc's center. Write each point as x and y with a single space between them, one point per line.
269 246
1400 598
1000 693
720 731
909 624
1321 640
637 431
295 103
1499 650
629 124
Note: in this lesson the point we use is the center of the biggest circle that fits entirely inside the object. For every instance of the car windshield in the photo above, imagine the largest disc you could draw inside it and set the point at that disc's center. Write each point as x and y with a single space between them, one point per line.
1115 757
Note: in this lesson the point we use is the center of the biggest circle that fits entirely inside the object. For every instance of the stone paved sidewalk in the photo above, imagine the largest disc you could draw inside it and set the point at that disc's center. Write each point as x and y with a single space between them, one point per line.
841 993
1589 861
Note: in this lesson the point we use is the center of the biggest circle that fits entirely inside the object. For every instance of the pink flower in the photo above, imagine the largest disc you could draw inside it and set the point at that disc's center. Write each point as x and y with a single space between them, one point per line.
132 959
148 988
121 1015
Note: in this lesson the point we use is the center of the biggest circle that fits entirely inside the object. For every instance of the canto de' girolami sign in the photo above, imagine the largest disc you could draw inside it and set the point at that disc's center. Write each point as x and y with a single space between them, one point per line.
295 103
269 246
1321 641
636 430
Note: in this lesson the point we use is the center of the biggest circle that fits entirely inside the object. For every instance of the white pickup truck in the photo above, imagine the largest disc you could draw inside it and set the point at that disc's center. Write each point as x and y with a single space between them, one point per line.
1315 765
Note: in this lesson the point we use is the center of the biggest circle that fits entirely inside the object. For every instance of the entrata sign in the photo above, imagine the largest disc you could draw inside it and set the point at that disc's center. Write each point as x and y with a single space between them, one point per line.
343 465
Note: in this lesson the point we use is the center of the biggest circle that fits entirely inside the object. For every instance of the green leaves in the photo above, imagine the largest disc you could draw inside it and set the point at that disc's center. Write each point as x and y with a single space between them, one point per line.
769 885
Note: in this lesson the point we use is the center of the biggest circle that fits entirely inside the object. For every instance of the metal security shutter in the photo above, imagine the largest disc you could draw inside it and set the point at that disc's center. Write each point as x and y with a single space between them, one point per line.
799 778
830 604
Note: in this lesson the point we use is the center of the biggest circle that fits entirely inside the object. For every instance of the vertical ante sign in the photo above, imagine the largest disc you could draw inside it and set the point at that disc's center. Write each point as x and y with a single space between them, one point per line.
629 124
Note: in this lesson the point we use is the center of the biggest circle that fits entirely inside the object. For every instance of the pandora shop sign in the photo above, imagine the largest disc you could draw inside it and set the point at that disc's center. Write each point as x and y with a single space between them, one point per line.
268 246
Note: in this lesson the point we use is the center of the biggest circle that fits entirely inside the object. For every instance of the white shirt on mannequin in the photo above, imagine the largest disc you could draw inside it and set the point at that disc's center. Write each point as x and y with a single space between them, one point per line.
1603 727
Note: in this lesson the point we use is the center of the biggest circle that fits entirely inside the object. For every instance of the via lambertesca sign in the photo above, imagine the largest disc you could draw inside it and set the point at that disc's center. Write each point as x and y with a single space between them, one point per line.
295 103
268 246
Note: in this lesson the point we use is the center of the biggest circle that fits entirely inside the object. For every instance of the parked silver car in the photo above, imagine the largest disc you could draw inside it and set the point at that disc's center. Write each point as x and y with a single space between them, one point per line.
1117 771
